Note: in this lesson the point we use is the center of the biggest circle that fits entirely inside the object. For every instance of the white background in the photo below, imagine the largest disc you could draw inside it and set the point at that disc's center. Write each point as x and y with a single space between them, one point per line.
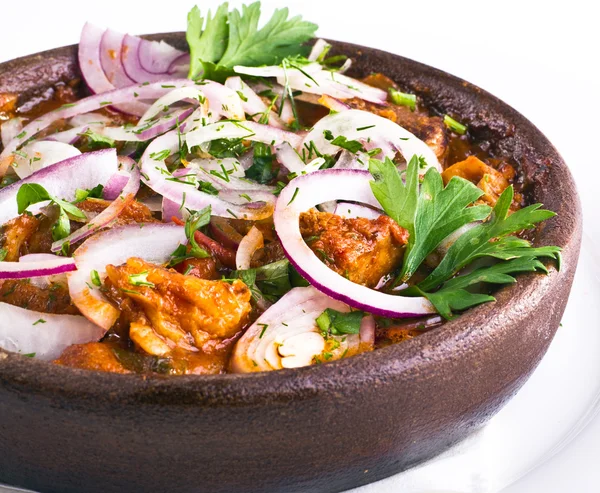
541 57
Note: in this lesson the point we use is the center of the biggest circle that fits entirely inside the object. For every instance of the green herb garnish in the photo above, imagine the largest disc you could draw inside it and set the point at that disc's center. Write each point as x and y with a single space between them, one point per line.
452 124
232 38
337 323
402 98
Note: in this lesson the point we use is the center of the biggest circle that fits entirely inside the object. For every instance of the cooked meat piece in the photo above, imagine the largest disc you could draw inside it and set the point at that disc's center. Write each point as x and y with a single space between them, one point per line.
491 181
52 299
30 234
430 129
135 212
271 252
8 102
360 249
91 356
15 233
168 310
110 357
203 268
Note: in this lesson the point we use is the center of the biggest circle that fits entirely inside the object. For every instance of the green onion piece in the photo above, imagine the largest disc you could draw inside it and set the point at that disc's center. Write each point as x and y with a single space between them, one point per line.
452 124
403 99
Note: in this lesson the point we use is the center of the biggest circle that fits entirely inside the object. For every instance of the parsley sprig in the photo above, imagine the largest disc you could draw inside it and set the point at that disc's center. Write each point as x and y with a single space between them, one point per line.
233 38
431 212
195 221
32 193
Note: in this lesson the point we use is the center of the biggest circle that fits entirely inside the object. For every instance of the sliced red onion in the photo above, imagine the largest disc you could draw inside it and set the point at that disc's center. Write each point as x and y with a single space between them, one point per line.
142 133
345 66
92 103
91 68
158 57
233 166
90 120
320 48
305 192
110 213
249 244
351 210
117 182
36 265
63 179
333 103
156 175
276 70
131 61
10 129
170 209
154 243
246 130
110 59
44 334
252 103
288 157
287 336
333 84
180 66
367 330
41 154
68 136
358 124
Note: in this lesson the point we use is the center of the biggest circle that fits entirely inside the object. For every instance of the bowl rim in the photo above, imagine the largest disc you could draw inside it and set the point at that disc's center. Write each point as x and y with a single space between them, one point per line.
396 361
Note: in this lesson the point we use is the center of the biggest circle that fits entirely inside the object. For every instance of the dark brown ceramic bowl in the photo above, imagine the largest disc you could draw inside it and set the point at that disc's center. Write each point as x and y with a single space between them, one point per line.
322 428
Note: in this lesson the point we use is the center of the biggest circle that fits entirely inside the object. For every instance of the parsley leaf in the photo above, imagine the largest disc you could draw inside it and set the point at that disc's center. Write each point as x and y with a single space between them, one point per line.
208 45
270 281
29 194
454 296
233 38
333 322
262 169
353 146
97 141
489 239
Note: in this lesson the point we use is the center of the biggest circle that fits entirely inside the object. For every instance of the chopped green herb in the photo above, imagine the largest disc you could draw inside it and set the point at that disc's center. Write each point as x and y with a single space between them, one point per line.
140 279
452 124
262 170
39 321
3 254
160 155
95 278
337 323
402 98
264 328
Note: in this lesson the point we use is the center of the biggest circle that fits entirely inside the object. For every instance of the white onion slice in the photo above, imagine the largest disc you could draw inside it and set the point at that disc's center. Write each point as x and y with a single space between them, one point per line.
154 243
249 244
358 124
232 165
62 179
305 192
41 154
44 334
286 335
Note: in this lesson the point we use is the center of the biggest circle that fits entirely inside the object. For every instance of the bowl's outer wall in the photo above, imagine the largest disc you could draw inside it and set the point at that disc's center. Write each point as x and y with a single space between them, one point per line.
320 429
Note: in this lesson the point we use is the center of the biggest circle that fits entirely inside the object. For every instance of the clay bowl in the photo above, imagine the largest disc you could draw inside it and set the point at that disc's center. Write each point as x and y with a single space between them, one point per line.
322 428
